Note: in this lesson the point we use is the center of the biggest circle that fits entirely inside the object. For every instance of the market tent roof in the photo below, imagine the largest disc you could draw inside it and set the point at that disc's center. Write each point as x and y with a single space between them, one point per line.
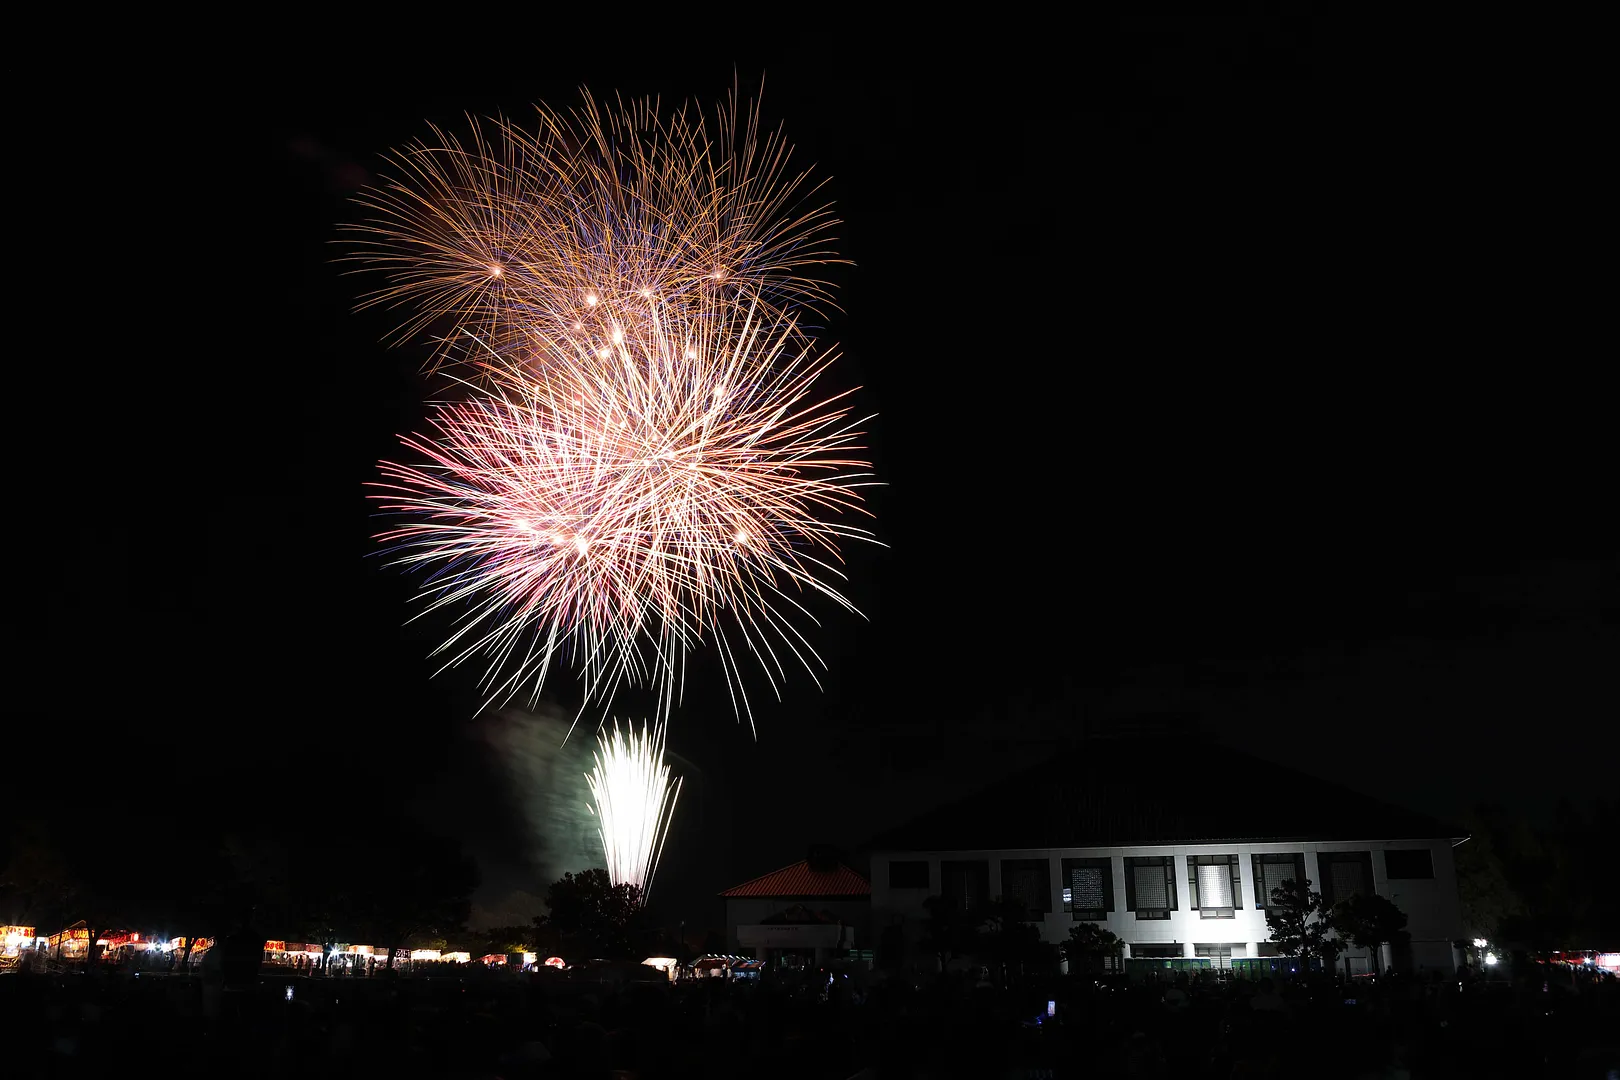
800 881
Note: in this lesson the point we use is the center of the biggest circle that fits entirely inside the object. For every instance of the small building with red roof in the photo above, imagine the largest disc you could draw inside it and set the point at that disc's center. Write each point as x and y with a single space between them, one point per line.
811 908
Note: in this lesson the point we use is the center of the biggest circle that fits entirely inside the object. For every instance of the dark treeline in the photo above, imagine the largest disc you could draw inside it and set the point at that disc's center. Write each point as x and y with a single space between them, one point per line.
1542 887
319 875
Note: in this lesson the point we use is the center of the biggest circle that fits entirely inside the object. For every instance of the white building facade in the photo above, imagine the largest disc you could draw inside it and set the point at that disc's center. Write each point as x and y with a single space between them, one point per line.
1185 900
1108 831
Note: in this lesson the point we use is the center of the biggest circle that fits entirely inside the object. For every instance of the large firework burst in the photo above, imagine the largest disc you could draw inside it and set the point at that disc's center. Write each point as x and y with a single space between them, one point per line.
633 798
677 483
573 224
641 465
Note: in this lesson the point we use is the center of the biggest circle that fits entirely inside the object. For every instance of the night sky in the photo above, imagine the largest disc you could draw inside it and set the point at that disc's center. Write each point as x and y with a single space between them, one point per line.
1215 376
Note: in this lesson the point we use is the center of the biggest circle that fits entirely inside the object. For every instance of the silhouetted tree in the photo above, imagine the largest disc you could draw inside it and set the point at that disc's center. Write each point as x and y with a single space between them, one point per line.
1088 944
36 887
1557 894
589 912
112 886
1011 943
1369 921
949 931
509 940
1489 899
425 890
1301 924
200 895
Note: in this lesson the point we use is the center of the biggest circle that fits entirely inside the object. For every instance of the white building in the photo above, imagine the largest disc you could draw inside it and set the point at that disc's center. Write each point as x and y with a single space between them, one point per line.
1176 862
813 908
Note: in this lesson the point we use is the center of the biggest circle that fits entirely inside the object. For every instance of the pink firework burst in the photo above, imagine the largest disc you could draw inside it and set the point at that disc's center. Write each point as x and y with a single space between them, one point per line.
667 481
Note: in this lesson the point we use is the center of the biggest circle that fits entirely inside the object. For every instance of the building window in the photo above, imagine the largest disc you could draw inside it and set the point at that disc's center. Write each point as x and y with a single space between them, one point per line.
1150 886
1345 873
1027 882
908 874
965 882
1409 863
1270 871
1219 956
1213 885
1088 888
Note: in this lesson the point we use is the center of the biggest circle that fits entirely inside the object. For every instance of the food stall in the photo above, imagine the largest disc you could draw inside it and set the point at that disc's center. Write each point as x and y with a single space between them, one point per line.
667 964
14 939
726 966
71 943
16 946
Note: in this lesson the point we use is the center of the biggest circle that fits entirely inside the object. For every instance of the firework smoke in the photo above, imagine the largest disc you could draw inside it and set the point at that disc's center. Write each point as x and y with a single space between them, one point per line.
545 785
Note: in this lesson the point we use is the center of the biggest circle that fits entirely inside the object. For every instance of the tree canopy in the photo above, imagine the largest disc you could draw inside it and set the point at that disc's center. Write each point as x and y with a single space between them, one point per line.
1540 886
590 914
1369 921
1088 944
1301 923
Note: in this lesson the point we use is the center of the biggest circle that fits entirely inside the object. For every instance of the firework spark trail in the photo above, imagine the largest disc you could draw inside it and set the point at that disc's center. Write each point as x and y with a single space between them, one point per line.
681 484
571 226
633 797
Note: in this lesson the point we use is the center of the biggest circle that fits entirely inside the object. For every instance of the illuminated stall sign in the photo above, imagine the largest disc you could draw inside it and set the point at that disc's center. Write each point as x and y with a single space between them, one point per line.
15 939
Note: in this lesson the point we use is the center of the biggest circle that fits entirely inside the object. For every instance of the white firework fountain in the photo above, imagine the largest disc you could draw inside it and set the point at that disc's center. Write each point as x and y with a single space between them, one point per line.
633 798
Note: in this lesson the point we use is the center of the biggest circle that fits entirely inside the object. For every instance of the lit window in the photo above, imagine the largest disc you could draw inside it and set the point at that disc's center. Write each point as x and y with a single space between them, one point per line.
1270 871
1150 886
1088 888
1214 884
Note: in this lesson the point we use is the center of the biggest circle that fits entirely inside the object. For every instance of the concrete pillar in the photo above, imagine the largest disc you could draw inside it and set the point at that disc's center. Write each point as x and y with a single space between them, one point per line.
1126 953
1188 951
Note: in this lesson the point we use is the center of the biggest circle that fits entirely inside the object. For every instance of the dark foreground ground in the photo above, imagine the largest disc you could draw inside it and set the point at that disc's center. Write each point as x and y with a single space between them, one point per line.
483 1025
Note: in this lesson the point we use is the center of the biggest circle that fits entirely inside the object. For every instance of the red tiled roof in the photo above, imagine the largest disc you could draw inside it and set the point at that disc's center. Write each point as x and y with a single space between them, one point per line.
800 880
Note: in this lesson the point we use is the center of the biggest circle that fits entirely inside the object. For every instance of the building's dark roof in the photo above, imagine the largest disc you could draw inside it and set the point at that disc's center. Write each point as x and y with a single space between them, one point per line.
799 880
1113 793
